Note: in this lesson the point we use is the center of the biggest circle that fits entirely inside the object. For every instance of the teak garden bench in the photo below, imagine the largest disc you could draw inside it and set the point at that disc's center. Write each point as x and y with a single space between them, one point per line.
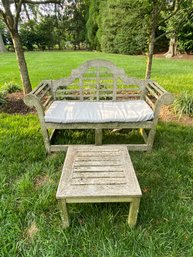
98 95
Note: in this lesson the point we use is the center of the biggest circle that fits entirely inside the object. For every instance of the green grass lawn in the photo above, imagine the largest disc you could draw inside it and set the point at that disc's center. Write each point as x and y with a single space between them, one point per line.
30 223
174 75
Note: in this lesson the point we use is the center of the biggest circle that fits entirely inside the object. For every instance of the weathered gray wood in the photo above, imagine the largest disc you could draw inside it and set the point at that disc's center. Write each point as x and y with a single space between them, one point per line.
130 147
102 174
149 101
133 212
152 92
105 125
99 169
63 212
98 80
86 180
98 136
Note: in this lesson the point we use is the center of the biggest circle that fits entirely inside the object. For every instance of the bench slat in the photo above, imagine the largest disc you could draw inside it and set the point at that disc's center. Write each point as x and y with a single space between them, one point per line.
152 92
149 101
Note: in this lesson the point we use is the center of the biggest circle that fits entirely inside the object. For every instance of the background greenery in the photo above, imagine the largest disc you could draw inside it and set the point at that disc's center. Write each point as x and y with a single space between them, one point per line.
29 218
114 26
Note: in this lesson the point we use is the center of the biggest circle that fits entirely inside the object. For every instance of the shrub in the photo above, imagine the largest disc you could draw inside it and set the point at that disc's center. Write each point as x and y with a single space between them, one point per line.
184 104
2 99
8 88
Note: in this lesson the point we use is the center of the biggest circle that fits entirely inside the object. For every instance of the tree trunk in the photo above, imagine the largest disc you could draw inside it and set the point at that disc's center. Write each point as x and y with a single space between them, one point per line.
2 46
151 42
150 56
21 62
172 51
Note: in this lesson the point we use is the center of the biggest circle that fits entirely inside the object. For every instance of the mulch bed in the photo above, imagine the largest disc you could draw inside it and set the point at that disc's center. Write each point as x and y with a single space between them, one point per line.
15 105
177 57
167 115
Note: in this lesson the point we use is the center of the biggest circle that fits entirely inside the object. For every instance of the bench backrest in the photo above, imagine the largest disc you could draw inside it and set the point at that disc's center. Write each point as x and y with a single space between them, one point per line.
98 80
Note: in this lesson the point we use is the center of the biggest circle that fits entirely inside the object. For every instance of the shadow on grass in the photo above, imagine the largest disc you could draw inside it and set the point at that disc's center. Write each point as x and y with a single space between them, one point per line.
86 136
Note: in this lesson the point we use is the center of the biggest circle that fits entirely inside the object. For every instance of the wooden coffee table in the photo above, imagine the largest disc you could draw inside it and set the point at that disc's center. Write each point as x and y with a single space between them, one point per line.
93 174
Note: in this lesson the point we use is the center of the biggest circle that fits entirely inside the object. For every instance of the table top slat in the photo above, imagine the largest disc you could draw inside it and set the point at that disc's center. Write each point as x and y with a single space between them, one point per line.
98 181
98 169
98 175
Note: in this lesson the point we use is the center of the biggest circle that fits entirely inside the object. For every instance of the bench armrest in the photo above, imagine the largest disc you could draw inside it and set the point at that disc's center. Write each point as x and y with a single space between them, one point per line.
41 97
155 95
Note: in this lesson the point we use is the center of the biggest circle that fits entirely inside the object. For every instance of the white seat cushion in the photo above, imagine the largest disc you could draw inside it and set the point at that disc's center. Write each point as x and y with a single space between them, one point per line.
98 112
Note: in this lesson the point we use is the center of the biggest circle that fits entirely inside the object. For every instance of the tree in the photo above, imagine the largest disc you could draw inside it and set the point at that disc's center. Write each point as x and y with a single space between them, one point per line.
92 24
118 35
185 36
155 10
162 12
77 13
28 34
45 33
11 19
179 24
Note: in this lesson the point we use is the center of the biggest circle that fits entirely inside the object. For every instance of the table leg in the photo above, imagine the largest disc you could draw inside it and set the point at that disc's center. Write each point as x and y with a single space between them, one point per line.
133 211
64 212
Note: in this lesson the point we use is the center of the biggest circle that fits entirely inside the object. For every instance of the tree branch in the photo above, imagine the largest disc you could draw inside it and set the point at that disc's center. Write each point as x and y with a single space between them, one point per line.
6 7
180 24
171 15
7 14
176 9
166 33
18 10
26 11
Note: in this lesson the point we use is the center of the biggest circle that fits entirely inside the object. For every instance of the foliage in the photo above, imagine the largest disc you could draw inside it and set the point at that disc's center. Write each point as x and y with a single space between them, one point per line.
118 35
28 34
77 14
179 26
40 33
8 88
45 33
185 37
56 28
184 104
2 99
100 24
92 24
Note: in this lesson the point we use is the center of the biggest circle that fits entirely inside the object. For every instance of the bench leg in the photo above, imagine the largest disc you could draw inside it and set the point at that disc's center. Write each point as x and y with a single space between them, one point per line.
64 213
98 136
46 139
150 139
133 211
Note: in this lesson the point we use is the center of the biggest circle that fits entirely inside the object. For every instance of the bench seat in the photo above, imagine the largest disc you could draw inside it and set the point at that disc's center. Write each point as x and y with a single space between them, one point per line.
98 112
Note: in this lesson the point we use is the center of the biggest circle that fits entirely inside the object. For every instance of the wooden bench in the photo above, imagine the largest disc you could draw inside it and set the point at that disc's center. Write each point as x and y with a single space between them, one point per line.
98 174
98 95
